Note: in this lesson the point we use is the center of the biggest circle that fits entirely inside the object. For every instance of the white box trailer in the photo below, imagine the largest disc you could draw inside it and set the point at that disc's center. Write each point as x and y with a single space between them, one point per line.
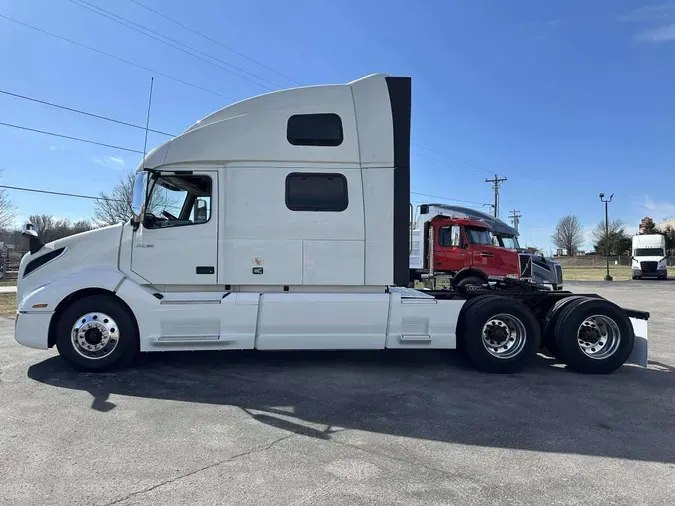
282 222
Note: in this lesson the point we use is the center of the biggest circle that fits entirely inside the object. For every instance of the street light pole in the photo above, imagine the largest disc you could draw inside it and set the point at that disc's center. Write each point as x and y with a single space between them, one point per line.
602 199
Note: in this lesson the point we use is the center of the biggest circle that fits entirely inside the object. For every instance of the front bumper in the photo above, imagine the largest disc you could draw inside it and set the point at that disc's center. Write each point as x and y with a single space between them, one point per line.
637 273
32 329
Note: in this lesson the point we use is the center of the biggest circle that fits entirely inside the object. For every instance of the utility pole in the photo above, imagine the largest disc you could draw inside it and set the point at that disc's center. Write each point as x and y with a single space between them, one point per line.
607 201
496 181
515 218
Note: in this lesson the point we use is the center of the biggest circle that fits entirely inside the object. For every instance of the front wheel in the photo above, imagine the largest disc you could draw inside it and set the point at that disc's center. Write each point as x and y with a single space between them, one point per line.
499 335
97 333
471 281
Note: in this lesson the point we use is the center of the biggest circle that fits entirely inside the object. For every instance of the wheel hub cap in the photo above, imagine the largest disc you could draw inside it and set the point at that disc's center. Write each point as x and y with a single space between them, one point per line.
504 336
598 337
94 335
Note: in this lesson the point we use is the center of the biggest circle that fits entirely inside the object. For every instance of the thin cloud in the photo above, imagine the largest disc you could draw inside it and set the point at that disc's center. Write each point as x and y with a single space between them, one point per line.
661 17
658 210
53 147
649 13
114 162
661 34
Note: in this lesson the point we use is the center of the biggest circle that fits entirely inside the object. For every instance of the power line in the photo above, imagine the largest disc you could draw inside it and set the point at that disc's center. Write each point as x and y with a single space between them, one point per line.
441 164
142 30
214 41
455 157
77 195
109 55
69 137
80 111
36 190
446 198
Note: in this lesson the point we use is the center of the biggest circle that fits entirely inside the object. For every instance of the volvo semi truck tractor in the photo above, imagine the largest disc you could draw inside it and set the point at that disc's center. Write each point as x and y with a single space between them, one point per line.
531 267
282 222
456 249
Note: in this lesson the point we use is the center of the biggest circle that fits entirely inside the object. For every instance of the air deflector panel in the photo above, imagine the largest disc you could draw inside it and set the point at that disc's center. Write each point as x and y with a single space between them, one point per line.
400 96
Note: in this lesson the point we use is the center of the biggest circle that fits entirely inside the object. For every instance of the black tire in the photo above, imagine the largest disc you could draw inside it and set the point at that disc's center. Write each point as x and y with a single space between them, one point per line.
551 320
122 334
461 319
523 347
567 327
471 280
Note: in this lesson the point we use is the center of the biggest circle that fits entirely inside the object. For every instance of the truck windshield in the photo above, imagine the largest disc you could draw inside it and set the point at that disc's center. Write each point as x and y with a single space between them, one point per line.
507 242
648 252
477 235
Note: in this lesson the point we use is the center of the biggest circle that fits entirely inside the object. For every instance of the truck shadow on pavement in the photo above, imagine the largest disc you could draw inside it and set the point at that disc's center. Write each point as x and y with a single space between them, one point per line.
415 394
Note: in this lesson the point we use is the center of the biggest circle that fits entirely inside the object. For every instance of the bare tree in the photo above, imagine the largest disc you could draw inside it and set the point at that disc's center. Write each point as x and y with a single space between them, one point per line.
115 207
7 210
51 229
568 234
619 241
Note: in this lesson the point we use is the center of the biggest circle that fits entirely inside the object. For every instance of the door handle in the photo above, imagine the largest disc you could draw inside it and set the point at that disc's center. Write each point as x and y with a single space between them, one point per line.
483 254
205 269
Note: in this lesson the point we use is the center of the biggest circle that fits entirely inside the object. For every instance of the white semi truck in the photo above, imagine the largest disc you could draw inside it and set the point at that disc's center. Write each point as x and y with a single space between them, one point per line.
282 222
648 256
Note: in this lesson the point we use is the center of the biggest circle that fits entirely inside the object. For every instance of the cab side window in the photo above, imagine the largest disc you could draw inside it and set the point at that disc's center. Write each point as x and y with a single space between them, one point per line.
179 200
450 236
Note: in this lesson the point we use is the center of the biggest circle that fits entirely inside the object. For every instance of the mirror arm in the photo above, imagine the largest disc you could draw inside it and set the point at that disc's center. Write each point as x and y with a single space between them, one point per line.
34 242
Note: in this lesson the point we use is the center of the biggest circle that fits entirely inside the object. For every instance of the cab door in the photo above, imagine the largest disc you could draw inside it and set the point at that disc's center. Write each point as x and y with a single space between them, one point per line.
450 252
177 243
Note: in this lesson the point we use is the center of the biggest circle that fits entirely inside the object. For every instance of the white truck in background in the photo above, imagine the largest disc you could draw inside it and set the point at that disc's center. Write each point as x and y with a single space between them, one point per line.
282 222
648 256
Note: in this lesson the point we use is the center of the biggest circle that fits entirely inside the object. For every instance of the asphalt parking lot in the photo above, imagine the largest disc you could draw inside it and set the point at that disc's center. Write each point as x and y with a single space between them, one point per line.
341 428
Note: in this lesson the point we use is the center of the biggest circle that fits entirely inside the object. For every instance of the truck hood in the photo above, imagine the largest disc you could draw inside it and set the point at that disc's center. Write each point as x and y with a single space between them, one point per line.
649 259
95 248
98 235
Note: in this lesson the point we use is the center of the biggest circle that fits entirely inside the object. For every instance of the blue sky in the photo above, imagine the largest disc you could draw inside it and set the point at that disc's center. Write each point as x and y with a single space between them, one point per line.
565 98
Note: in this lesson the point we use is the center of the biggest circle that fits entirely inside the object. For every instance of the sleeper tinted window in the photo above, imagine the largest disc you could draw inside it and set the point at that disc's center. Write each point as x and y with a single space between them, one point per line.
314 130
316 192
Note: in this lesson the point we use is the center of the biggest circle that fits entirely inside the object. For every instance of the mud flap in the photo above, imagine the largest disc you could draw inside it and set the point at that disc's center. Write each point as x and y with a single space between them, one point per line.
639 354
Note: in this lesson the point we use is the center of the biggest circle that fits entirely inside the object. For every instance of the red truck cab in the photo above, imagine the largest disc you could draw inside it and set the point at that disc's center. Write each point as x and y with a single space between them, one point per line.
463 247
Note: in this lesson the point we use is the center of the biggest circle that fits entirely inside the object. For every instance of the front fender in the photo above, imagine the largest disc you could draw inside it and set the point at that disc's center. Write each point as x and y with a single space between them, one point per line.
47 297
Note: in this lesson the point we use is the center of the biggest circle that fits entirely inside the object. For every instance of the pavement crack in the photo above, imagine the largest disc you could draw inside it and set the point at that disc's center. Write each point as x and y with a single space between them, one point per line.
201 469
412 462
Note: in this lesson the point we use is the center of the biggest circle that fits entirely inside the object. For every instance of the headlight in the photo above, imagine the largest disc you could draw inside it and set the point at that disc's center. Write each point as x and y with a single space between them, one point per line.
662 264
513 276
636 263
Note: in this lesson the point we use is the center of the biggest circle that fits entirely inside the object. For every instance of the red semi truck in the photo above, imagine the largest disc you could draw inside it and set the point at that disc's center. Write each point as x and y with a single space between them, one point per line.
459 250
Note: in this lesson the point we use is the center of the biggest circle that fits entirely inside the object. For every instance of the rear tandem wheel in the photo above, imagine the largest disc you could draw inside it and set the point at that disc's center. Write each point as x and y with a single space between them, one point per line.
500 335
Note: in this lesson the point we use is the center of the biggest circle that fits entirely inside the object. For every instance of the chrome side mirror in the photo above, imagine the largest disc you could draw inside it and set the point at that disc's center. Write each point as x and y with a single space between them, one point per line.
35 244
139 197
29 230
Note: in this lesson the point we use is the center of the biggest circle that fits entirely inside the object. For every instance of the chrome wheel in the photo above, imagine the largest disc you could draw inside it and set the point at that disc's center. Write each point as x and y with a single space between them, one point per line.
598 337
95 336
504 336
